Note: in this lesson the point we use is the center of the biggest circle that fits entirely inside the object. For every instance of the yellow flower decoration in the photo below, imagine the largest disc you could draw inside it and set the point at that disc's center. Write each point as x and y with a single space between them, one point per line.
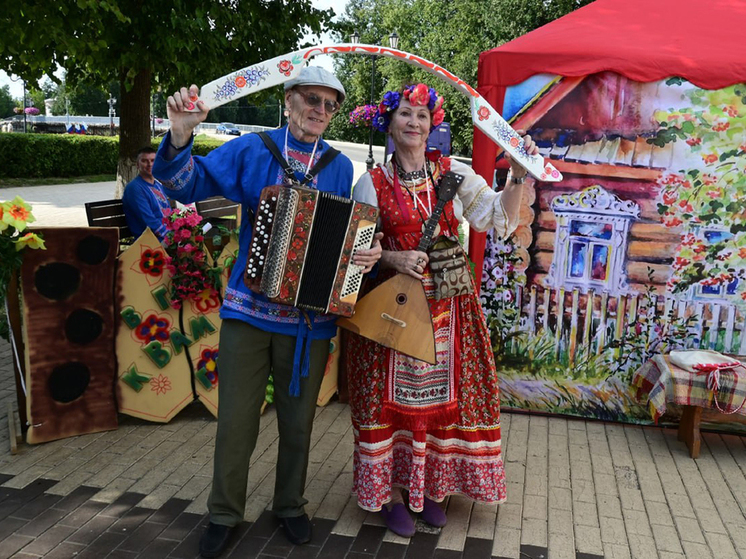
17 214
30 240
3 209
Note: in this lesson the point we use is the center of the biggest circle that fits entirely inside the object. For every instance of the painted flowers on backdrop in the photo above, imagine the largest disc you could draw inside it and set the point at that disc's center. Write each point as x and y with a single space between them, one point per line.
15 216
193 278
500 277
707 201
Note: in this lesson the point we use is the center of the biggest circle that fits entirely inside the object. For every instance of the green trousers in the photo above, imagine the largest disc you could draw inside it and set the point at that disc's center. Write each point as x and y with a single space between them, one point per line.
247 356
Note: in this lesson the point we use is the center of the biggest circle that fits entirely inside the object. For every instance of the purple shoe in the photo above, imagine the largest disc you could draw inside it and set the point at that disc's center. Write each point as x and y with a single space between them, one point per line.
433 514
398 520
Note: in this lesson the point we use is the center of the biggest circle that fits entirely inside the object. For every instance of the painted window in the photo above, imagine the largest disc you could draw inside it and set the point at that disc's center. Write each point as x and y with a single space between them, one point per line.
590 246
711 237
591 241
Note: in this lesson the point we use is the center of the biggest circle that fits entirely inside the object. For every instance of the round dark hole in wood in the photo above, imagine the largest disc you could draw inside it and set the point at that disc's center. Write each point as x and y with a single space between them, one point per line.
83 326
68 382
57 281
401 298
93 250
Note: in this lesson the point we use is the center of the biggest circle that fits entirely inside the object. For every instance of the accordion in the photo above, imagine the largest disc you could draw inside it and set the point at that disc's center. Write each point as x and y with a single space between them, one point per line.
302 247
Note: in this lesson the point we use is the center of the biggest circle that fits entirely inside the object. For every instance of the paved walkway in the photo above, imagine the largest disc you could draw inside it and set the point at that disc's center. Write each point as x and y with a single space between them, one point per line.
576 489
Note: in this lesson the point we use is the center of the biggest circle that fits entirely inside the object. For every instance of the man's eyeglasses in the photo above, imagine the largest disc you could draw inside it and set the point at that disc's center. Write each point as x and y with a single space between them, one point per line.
313 100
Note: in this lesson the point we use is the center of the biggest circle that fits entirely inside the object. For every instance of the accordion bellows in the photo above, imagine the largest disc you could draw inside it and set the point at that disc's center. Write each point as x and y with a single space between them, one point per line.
302 246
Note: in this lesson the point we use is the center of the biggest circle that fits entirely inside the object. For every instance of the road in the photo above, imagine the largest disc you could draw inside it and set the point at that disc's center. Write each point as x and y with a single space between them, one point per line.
63 205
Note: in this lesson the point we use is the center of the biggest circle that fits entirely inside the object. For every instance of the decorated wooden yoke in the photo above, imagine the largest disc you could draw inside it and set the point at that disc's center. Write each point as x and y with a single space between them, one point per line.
286 67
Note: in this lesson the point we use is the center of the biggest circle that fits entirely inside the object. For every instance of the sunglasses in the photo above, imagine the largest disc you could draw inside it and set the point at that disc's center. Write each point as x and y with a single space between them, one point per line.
313 100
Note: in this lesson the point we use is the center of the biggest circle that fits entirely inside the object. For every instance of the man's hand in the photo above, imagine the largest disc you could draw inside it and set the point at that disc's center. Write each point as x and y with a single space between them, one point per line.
182 122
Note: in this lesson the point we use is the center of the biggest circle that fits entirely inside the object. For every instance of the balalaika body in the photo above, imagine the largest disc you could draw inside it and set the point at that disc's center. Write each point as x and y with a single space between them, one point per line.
302 247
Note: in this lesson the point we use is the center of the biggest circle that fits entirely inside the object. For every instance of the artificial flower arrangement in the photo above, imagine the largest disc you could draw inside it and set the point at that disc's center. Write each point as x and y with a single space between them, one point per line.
380 116
14 218
192 276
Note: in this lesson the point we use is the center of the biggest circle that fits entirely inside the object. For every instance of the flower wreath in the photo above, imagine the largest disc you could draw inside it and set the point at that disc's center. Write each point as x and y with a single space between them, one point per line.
417 95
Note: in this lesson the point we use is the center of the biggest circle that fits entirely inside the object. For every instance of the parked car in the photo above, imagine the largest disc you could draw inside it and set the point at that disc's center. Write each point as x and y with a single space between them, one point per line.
228 128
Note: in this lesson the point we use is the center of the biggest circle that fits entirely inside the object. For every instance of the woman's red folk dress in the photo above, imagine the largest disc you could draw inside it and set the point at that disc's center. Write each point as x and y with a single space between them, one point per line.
432 430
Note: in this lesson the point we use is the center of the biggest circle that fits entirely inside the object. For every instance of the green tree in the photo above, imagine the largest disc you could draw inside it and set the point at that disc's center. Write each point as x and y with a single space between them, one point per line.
7 103
451 34
145 45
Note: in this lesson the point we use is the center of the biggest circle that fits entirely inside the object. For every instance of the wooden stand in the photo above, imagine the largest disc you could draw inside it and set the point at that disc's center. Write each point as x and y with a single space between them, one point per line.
14 429
693 416
14 321
689 429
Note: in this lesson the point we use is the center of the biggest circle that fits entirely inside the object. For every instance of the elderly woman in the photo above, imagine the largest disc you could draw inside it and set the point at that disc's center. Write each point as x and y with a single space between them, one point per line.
428 430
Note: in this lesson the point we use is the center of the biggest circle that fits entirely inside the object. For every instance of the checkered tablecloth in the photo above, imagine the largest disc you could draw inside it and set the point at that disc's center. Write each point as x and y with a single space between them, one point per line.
659 383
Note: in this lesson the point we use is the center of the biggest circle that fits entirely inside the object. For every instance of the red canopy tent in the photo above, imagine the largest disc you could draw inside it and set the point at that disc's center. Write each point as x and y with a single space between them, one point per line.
644 40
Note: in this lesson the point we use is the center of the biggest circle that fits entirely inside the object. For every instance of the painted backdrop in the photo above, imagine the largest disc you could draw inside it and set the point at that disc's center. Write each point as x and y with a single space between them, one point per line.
640 250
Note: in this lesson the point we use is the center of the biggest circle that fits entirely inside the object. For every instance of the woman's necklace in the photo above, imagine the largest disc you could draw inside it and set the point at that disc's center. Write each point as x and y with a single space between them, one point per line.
414 175
425 211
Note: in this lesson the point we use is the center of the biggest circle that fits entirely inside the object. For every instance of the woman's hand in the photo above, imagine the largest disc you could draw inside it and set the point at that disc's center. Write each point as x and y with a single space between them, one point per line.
367 258
411 262
183 122
516 170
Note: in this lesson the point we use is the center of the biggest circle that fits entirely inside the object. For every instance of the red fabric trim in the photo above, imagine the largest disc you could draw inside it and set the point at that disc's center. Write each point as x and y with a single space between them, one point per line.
644 40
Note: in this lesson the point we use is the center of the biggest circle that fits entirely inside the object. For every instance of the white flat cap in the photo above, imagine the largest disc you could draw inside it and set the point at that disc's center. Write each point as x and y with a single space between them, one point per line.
316 75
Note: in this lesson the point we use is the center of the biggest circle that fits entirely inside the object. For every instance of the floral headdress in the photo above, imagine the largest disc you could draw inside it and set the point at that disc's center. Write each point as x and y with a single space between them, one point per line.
417 95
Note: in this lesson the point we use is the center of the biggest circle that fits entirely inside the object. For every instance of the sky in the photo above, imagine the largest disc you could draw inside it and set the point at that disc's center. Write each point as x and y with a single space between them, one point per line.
16 88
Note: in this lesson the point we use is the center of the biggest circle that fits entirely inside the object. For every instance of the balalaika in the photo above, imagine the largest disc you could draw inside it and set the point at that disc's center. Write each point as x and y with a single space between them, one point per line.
302 246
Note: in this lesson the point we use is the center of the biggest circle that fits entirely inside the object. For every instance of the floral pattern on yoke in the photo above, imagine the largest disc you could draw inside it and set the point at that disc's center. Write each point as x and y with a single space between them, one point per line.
250 77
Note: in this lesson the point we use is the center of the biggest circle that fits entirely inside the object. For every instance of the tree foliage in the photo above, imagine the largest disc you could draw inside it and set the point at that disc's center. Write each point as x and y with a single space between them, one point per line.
451 34
7 103
143 44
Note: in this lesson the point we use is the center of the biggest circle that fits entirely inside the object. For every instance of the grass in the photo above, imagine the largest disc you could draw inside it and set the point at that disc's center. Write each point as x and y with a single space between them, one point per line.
16 182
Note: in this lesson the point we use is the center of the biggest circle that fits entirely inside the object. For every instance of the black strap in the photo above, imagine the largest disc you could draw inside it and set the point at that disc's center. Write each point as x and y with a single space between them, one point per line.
323 161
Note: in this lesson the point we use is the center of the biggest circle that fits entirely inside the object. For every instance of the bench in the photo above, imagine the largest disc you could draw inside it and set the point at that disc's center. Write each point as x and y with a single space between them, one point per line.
220 211
109 213
659 383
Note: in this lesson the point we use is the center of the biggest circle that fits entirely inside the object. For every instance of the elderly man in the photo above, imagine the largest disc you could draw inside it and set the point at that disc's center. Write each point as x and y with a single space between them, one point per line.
257 335
145 203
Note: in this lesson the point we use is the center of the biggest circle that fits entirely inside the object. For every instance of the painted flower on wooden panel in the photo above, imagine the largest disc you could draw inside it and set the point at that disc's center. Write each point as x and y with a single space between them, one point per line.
153 328
160 384
208 360
152 262
206 301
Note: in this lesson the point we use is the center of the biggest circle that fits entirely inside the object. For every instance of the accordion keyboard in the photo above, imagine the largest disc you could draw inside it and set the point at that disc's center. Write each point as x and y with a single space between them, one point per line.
354 277
278 248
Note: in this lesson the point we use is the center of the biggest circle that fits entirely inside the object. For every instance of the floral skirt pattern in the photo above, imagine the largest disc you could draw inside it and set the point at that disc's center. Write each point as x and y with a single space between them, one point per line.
464 458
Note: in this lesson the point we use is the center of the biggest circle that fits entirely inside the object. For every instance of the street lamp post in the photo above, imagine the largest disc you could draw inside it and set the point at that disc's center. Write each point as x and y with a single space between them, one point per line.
24 106
393 43
112 101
